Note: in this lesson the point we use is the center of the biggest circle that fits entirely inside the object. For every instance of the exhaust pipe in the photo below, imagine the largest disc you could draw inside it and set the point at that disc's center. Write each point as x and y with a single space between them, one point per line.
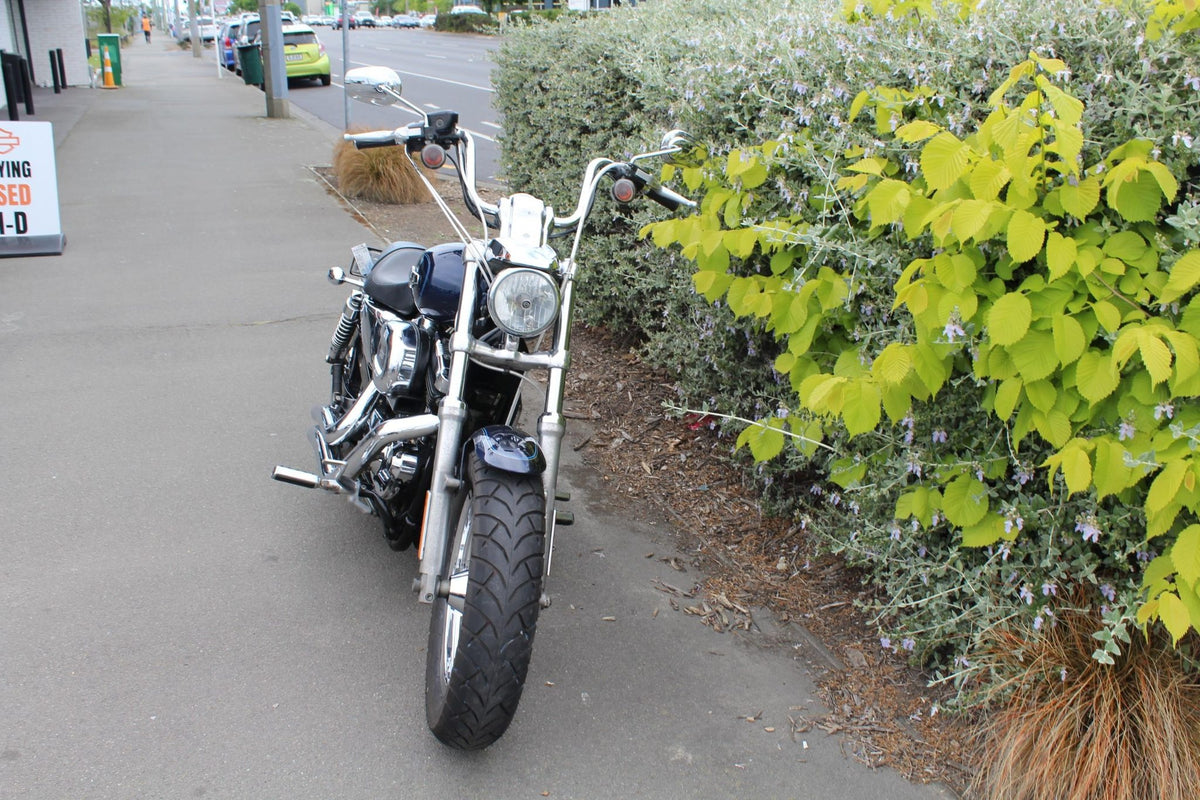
394 430
338 476
296 477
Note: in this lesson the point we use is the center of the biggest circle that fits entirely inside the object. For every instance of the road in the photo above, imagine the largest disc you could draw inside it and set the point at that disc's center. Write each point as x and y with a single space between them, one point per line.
439 70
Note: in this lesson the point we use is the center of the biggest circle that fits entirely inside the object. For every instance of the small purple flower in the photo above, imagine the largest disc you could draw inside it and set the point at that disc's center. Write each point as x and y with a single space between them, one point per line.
908 644
885 643
953 331
1088 528
1126 431
1049 590
1026 594
1062 675
939 437
1108 592
1164 410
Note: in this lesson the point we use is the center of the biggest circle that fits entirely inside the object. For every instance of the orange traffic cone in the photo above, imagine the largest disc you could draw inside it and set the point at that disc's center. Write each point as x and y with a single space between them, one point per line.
109 83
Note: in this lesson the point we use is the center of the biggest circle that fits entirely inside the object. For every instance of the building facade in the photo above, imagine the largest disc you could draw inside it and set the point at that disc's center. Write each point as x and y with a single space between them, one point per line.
33 28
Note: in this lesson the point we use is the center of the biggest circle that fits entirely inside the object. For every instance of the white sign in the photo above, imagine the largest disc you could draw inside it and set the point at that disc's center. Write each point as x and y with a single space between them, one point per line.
29 219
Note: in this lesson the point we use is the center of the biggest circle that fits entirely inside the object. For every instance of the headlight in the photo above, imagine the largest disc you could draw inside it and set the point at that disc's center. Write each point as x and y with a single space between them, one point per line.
523 302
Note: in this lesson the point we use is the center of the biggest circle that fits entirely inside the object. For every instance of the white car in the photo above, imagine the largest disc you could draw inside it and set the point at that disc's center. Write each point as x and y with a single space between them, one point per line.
428 21
208 29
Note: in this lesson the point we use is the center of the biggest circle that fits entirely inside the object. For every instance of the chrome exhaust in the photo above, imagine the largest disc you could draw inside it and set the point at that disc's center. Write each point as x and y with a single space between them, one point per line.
295 477
339 476
394 430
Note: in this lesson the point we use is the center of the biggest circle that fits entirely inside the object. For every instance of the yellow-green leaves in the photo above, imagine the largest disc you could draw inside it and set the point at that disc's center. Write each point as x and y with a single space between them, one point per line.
1136 184
965 501
1025 236
765 439
1008 321
1183 277
944 160
1080 197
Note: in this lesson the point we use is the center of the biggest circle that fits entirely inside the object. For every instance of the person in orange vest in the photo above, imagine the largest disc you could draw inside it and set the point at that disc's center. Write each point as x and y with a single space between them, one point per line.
146 27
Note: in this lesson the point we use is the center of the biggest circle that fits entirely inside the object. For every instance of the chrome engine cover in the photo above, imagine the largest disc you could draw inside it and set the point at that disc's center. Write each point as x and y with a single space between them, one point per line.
397 351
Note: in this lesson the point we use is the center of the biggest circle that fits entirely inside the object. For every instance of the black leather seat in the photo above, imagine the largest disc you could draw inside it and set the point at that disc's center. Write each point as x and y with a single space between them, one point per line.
387 283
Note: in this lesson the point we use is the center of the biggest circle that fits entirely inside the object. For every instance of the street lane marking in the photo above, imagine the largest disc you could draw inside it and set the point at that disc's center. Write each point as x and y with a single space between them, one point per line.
492 125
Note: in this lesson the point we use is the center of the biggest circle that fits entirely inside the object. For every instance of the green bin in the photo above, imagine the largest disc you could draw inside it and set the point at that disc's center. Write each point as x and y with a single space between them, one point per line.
250 59
112 43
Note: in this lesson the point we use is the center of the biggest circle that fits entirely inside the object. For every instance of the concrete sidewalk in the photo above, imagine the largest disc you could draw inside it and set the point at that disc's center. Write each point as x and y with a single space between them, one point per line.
175 624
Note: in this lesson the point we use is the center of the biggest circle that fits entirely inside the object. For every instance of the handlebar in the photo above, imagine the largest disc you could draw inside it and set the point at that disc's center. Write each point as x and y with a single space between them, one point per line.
416 135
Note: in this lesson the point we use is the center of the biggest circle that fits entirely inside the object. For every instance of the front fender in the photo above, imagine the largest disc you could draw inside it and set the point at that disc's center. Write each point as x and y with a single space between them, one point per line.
509 450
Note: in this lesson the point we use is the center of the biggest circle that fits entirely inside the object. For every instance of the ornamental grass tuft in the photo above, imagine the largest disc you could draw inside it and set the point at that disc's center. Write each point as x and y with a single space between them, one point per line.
1073 728
380 174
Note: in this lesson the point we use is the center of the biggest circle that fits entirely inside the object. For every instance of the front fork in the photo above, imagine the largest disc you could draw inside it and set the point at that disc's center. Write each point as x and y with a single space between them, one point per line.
452 415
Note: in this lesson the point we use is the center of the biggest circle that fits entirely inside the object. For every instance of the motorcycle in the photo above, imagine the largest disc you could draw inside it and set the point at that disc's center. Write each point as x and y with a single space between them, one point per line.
427 363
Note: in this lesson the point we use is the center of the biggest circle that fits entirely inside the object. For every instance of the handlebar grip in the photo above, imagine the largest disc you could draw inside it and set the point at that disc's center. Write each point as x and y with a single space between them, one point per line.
668 199
363 141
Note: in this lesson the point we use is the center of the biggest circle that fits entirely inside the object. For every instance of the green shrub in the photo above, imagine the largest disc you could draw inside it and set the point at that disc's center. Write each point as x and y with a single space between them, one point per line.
467 23
740 74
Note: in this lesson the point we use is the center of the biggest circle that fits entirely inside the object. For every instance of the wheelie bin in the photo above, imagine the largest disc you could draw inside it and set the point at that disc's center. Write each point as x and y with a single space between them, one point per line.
250 60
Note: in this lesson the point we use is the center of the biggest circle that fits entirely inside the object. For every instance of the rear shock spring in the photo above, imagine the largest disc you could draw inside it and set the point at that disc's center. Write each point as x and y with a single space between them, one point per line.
345 328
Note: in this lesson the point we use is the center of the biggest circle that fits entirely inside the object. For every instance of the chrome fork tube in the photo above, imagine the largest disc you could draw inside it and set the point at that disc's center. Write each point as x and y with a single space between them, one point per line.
551 424
452 416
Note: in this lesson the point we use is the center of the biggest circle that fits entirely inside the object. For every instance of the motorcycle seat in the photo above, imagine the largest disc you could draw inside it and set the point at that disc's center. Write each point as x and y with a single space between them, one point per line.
387 283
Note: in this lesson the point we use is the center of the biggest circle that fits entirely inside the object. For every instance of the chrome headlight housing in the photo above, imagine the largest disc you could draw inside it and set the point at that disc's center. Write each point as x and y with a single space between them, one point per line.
523 302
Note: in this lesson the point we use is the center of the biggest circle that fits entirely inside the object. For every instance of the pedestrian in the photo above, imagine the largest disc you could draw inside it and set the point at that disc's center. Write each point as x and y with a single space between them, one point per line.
146 26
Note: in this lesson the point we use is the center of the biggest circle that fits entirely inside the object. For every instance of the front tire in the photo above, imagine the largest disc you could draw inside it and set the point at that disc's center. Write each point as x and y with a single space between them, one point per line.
481 635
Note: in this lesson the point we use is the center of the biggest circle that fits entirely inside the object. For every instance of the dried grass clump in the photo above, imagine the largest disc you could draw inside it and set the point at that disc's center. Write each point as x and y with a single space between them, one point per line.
380 174
1125 732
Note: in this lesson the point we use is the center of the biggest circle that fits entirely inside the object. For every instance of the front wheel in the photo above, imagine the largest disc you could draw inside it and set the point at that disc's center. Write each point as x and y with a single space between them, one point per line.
481 633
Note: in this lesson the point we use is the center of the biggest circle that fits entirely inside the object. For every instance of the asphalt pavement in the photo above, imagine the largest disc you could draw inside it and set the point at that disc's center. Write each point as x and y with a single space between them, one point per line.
175 624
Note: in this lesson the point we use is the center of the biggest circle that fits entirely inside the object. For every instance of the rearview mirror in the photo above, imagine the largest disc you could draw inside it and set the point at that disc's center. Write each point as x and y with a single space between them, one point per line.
379 86
680 148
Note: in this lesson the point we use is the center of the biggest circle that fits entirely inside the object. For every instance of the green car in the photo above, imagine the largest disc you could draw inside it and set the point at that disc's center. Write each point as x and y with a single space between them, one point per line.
303 54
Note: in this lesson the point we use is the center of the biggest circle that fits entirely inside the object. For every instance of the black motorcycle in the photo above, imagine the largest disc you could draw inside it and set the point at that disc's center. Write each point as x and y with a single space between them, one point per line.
428 362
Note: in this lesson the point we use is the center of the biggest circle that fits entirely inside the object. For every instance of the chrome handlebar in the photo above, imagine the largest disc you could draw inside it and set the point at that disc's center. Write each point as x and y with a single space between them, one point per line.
464 144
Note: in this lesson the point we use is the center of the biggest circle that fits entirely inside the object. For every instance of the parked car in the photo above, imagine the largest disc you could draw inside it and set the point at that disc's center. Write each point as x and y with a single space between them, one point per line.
228 36
466 8
428 21
208 29
351 23
303 54
365 19
251 25
405 21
